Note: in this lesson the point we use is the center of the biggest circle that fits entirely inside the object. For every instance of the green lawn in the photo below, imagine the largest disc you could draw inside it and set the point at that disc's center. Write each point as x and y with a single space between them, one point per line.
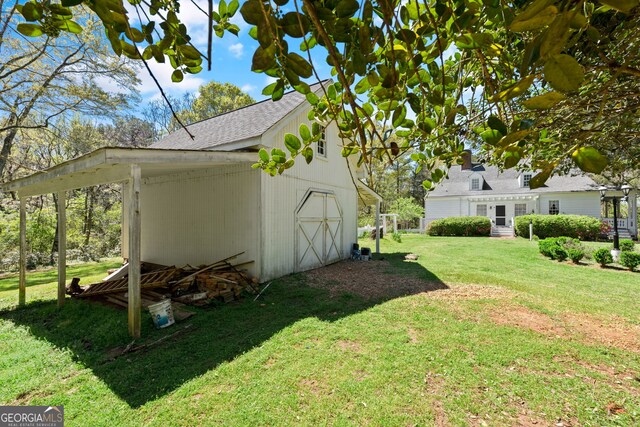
512 339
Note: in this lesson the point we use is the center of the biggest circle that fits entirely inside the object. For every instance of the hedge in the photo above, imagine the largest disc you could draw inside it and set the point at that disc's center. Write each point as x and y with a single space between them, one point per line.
561 248
544 226
460 226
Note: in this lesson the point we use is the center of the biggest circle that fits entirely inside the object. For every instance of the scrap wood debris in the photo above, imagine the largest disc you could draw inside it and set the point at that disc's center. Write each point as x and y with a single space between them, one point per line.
199 286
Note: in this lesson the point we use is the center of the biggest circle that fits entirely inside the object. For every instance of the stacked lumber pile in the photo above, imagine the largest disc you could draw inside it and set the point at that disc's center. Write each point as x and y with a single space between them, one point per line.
200 286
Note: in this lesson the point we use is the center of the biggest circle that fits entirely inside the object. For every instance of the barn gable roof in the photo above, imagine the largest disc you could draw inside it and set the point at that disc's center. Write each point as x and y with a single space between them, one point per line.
235 126
507 182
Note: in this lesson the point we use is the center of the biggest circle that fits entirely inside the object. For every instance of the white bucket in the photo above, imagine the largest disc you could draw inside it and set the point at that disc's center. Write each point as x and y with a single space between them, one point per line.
162 314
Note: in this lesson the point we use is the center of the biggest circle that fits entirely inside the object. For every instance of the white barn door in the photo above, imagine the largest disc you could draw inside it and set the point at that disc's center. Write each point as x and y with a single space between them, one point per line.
318 231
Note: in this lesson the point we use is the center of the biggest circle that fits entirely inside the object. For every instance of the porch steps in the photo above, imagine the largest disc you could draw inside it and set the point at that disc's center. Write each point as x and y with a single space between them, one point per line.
501 232
623 233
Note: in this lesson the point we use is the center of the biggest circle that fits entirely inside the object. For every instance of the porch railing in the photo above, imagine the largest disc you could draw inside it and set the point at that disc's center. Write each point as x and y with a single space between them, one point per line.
622 222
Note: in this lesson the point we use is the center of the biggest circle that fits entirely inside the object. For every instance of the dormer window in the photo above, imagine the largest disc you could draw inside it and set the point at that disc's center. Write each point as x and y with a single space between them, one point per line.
526 178
475 183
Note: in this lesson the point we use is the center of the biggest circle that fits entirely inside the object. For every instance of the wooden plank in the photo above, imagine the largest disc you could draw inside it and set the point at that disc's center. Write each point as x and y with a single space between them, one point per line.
135 302
62 246
212 266
118 274
23 252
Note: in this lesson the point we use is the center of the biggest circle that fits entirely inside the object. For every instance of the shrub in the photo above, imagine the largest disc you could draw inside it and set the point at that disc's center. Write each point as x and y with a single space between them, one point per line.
575 255
630 259
544 226
397 237
460 226
603 256
561 248
627 245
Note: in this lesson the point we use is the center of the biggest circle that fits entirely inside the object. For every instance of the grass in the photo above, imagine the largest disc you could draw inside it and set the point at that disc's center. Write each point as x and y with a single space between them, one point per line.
303 356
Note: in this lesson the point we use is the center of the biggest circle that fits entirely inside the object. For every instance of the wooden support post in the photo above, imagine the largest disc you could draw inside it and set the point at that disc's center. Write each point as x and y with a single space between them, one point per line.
135 300
395 223
62 246
377 226
23 252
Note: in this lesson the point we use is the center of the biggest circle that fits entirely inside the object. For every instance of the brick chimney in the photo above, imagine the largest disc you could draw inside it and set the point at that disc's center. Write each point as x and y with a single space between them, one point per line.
467 164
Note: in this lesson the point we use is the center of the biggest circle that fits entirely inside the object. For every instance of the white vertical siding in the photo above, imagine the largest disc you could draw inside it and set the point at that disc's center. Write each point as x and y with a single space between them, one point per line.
200 217
437 208
282 194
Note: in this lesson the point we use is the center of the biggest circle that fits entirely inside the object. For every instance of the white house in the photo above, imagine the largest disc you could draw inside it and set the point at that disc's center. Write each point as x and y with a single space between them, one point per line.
197 200
480 190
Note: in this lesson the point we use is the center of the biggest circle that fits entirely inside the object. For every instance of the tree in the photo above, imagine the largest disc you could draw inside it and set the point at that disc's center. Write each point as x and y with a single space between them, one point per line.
407 209
41 82
213 99
390 58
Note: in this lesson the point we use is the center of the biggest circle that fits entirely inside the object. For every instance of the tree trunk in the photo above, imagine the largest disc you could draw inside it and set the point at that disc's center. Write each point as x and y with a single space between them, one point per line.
88 215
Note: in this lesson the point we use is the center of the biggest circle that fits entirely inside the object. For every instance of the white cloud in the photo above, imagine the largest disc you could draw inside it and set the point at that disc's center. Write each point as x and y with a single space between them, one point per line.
237 50
246 88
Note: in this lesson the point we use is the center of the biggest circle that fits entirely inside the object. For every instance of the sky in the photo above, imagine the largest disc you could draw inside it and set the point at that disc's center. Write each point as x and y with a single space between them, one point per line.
231 59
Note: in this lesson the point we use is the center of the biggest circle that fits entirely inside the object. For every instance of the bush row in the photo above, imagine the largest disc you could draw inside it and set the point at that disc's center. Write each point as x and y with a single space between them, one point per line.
561 248
460 226
544 226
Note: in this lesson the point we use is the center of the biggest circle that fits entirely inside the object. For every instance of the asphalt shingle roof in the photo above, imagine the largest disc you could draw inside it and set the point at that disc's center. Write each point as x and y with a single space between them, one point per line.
237 125
506 182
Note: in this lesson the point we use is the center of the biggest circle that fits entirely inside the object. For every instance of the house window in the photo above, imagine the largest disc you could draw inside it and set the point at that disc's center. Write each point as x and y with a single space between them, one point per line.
475 183
481 210
554 207
322 143
520 209
526 178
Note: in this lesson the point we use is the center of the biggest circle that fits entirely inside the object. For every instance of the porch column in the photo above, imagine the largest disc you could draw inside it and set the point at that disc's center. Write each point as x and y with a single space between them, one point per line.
377 226
23 252
633 202
62 246
134 303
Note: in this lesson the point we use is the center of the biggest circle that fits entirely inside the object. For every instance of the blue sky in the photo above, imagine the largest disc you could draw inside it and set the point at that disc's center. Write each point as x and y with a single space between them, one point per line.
231 59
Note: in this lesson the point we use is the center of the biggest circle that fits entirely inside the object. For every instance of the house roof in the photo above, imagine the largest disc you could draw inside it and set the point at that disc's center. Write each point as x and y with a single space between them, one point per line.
506 182
113 164
238 125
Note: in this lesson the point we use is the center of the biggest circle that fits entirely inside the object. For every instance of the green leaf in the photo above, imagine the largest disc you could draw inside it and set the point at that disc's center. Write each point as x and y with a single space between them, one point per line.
540 178
540 20
299 65
177 76
263 58
346 8
69 26
232 7
264 156
497 124
513 91
307 153
189 51
31 11
511 159
491 136
71 3
305 133
312 98
474 41
513 137
589 159
30 30
563 73
292 142
295 24
620 5
542 102
532 10
399 115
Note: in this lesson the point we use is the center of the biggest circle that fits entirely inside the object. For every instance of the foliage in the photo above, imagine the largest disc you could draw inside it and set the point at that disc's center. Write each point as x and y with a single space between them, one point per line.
407 209
394 67
603 256
460 226
212 99
561 248
396 236
627 245
631 260
577 226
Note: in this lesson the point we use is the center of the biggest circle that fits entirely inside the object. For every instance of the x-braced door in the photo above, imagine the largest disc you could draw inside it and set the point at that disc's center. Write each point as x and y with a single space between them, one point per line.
318 231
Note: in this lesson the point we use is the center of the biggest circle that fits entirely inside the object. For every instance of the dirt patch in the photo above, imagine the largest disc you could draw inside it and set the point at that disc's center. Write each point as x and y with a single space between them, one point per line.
369 280
582 327
413 335
457 291
311 386
348 345
434 384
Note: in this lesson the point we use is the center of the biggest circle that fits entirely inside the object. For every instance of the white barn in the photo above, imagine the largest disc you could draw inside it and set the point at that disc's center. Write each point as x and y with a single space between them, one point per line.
199 200
474 189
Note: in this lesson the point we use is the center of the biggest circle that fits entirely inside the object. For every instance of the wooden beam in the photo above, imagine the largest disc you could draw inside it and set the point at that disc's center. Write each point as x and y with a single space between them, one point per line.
62 246
135 299
23 252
